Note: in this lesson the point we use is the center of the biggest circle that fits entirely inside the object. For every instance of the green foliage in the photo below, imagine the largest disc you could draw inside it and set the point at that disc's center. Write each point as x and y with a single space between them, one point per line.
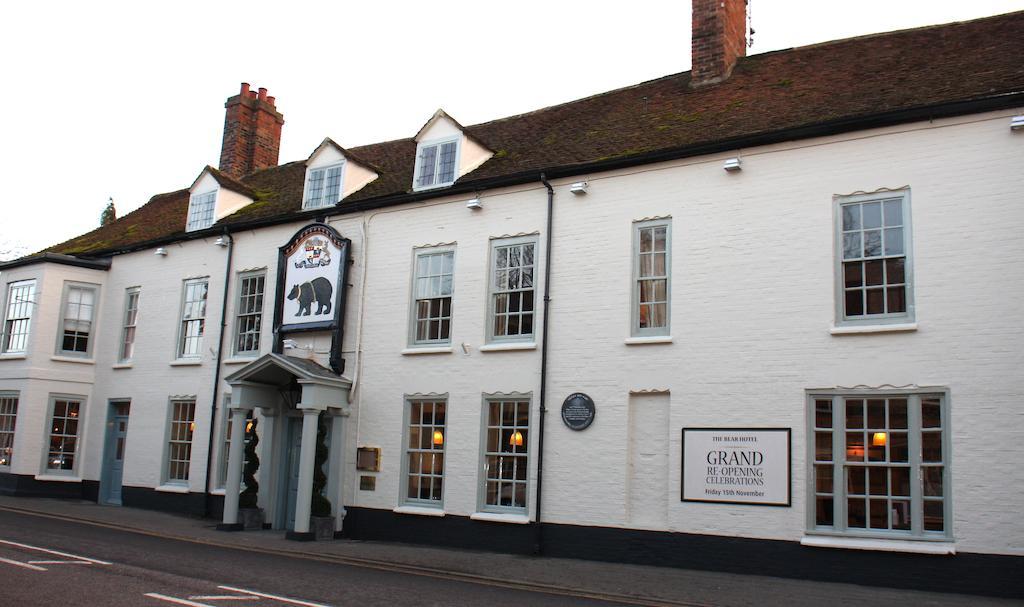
109 214
320 505
252 464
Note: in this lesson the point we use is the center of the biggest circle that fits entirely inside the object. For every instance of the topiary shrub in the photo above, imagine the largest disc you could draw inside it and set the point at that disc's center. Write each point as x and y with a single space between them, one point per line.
320 505
252 463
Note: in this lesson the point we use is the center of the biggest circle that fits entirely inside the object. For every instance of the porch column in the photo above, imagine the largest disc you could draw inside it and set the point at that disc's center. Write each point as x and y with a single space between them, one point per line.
304 499
233 484
268 463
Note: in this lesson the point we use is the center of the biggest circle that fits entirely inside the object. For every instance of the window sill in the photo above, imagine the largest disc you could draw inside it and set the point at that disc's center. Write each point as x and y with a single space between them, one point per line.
14 356
59 478
235 360
428 350
496 517
121 366
186 363
172 489
510 346
884 545
73 359
863 329
419 510
652 339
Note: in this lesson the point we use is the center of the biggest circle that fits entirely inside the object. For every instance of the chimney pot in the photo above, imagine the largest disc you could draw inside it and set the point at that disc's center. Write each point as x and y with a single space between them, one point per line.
263 94
245 89
271 101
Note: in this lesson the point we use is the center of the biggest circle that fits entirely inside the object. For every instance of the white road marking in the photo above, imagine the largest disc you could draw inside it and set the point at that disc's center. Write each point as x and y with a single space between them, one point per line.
60 563
57 552
283 599
177 601
20 564
223 597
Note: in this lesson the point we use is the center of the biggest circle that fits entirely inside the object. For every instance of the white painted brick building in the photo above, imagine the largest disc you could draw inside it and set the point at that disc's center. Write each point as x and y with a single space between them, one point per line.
757 332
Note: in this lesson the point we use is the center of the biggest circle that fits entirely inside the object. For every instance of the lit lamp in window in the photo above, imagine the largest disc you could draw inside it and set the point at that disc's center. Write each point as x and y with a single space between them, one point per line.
192 427
248 427
438 438
516 440
878 439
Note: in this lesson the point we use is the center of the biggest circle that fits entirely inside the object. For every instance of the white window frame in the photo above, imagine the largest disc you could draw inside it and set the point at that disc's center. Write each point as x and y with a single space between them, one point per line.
12 316
199 205
62 432
433 451
635 329
129 324
526 456
240 316
909 315
90 338
183 322
421 148
413 307
839 464
493 292
324 199
9 401
171 439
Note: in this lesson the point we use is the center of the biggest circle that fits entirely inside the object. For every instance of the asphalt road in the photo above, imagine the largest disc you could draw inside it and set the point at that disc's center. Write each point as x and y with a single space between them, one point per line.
88 565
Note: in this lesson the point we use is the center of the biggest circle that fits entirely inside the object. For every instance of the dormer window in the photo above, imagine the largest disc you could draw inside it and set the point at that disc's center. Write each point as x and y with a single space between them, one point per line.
200 211
436 162
323 187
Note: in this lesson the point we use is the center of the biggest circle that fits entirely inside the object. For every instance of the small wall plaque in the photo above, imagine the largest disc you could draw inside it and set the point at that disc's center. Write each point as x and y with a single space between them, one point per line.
367 483
578 411
368 458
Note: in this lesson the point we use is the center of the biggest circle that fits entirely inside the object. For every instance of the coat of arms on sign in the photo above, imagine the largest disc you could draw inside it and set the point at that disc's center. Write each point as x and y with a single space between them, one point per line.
316 254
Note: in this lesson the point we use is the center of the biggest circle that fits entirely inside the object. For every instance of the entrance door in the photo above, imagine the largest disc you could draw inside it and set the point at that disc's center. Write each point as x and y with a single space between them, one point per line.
293 448
113 461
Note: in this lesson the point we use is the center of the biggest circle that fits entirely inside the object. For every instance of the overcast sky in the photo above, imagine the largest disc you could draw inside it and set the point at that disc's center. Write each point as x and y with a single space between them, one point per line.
125 100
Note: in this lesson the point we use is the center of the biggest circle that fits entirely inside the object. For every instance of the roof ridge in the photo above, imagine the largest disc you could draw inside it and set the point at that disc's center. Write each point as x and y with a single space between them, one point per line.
906 30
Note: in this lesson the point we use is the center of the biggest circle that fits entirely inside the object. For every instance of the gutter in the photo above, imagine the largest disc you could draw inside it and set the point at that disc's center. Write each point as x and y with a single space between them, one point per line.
539 540
216 375
998 101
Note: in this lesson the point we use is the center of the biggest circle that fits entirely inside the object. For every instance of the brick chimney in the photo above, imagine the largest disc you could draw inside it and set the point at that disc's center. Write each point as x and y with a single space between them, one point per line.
252 133
719 39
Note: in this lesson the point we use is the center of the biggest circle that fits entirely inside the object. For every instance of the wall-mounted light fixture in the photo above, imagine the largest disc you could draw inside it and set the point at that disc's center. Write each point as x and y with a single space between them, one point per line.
290 344
162 252
732 164
475 204
221 242
1017 123
579 188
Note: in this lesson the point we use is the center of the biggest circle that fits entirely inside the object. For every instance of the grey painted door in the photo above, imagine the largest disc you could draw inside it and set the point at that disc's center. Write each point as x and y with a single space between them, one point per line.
113 465
292 476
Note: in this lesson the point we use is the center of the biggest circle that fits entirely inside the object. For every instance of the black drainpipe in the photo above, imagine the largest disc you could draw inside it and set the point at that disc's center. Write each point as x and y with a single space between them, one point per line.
216 374
538 547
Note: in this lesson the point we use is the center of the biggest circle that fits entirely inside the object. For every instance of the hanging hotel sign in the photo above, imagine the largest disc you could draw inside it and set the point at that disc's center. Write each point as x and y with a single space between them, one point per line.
312 271
578 411
737 466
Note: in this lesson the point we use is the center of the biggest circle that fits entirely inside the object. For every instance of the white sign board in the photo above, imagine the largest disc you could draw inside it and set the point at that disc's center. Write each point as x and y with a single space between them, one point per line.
312 274
736 466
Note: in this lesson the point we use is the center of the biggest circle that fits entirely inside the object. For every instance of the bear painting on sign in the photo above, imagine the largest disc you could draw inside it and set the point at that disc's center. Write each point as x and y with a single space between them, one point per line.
311 273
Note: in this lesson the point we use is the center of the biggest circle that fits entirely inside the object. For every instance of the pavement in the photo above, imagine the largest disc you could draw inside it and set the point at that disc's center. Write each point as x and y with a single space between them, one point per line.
618 583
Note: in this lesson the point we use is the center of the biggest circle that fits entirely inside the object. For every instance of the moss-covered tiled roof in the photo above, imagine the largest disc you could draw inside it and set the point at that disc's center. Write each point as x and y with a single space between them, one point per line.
783 92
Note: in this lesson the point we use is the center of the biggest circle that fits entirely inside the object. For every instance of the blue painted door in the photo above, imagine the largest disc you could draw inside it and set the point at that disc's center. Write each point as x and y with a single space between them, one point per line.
113 465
